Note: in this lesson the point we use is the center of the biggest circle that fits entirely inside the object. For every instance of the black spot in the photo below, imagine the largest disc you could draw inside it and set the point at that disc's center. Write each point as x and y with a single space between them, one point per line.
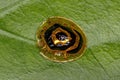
59 46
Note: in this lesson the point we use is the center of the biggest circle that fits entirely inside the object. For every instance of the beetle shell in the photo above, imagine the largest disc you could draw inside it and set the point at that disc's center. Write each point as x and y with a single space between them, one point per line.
60 40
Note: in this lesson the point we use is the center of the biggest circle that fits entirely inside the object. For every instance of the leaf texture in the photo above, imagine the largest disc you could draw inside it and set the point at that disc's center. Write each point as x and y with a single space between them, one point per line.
20 58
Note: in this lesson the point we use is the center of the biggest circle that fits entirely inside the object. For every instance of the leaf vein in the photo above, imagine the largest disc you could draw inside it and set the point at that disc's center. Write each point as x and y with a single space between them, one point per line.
16 36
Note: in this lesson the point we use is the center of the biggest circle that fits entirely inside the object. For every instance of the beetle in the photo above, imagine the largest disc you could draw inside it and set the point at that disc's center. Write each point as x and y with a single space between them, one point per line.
60 39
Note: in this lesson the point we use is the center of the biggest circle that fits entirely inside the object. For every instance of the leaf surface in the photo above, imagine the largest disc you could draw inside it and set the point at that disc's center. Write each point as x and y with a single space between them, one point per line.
20 58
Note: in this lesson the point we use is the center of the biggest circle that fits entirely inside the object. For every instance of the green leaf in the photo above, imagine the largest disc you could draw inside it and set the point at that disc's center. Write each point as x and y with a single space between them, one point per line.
20 58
